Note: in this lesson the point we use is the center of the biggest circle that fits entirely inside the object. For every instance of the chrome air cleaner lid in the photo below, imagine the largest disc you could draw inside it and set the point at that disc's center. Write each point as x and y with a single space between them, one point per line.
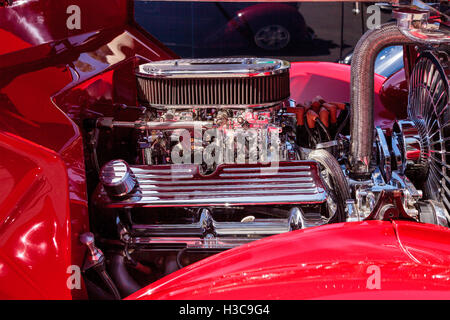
222 82
216 68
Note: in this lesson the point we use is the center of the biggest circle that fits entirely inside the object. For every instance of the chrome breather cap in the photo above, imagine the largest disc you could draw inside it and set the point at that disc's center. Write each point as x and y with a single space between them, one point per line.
117 178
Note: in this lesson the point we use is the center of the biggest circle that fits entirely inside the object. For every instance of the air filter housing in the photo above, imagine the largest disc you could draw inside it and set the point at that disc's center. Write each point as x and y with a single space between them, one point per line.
205 83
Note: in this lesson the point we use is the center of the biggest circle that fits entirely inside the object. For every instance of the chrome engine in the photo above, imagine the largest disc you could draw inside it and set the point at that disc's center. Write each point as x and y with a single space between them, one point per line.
218 162
428 110
224 157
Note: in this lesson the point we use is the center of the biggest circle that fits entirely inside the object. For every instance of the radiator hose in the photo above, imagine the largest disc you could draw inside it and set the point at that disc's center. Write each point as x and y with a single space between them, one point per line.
119 273
362 94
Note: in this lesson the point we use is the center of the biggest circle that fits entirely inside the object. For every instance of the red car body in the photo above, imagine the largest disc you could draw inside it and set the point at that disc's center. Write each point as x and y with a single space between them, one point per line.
44 203
49 78
338 261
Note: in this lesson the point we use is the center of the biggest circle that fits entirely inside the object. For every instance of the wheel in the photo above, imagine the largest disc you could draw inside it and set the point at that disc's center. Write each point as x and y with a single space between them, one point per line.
272 37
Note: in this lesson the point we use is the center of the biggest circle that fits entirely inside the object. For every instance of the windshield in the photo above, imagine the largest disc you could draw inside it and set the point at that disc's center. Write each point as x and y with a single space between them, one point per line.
294 31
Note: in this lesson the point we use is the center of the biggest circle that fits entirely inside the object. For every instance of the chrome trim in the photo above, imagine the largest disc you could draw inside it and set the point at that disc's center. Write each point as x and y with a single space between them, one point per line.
384 154
244 83
213 68
207 231
183 185
192 242
95 256
207 225
117 178
296 219
434 212
413 149
441 214
352 211
219 106
414 24
153 125
428 108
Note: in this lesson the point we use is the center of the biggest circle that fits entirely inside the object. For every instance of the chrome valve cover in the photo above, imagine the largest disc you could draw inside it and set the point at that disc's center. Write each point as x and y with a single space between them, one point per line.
293 182
178 205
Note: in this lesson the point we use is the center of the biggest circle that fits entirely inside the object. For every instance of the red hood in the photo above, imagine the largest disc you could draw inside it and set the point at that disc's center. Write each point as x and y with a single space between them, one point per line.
337 261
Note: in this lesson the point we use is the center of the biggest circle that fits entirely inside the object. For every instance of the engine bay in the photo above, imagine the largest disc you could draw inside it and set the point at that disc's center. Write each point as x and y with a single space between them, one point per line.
219 155
188 158
276 155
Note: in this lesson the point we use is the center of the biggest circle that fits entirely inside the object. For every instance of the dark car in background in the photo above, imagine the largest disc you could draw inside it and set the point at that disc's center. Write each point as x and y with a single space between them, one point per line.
294 31
193 28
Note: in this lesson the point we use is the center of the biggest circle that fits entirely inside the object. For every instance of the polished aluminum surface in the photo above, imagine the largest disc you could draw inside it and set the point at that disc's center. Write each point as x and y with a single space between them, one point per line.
153 125
352 211
117 178
207 225
295 182
95 255
213 68
223 82
414 24
193 242
413 149
441 215
384 154
428 108
207 233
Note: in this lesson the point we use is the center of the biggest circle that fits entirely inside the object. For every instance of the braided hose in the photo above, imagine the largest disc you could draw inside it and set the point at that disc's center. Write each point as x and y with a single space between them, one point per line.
362 94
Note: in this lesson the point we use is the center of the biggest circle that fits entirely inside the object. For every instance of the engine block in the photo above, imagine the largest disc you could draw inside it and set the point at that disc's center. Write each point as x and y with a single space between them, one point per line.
225 206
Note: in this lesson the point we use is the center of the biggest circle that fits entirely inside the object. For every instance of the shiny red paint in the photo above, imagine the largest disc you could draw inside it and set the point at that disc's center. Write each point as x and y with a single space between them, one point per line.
330 262
31 23
394 94
35 221
41 62
332 82
52 78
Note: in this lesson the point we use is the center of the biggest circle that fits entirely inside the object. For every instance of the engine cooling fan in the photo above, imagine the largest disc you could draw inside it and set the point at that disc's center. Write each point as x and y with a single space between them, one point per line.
428 109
